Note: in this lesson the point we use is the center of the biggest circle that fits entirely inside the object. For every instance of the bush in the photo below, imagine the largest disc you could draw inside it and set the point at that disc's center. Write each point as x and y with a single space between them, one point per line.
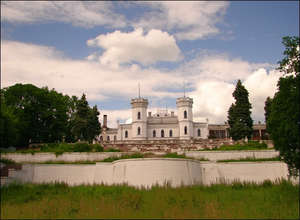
112 150
82 147
98 148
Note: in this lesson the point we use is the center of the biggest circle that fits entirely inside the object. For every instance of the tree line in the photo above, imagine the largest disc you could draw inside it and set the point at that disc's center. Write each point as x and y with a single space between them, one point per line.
282 112
38 115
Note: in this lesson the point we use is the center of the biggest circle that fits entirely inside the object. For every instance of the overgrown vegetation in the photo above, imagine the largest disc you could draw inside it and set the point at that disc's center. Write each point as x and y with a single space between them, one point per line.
60 148
251 145
7 161
251 159
238 200
125 156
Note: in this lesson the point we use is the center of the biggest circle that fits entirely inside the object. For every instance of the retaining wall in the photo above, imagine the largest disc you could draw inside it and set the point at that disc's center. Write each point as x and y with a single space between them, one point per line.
227 155
70 157
85 156
147 172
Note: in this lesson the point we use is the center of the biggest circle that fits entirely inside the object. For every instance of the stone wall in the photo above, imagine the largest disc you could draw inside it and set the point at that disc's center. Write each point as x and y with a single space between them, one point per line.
150 171
97 156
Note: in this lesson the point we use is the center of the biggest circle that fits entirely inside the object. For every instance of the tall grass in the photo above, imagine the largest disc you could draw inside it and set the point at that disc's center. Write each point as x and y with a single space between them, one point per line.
251 159
251 145
238 200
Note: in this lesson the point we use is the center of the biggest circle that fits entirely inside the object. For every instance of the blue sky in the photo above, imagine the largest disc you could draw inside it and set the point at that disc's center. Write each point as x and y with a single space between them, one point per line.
106 48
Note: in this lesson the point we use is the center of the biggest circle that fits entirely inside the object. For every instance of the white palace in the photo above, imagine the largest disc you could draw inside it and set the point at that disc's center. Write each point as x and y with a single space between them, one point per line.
160 126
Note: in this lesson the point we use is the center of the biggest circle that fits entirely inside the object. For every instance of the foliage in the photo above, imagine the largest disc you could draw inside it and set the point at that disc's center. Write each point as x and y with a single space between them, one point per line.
290 63
239 114
85 123
251 159
38 115
60 148
112 150
268 104
57 201
7 161
284 120
251 145
124 156
82 147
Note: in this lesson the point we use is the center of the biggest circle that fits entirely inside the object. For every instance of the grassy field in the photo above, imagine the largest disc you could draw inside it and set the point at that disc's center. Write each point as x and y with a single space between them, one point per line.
239 200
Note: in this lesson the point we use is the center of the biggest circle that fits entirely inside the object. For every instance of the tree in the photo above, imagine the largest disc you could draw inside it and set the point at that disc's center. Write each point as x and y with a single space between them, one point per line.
42 114
8 126
85 123
284 120
239 114
267 108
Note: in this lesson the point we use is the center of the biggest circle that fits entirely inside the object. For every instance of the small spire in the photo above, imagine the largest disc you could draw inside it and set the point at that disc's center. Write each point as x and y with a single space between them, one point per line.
139 91
184 89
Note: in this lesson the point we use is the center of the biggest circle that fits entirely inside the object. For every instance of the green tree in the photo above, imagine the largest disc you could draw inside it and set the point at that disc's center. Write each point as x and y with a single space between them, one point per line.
42 114
94 127
284 120
267 108
239 114
8 126
85 123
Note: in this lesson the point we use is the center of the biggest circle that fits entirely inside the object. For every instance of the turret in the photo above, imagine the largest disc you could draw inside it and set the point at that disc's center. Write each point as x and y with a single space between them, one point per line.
139 118
185 117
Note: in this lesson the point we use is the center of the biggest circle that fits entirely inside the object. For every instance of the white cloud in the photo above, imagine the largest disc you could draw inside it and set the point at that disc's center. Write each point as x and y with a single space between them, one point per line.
212 93
84 14
188 20
136 46
261 84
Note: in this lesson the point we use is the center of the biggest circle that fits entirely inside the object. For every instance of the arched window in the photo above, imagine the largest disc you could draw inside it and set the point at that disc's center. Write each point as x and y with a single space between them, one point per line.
185 114
199 132
185 129
115 138
162 133
154 133
108 138
139 116
171 133
139 131
126 134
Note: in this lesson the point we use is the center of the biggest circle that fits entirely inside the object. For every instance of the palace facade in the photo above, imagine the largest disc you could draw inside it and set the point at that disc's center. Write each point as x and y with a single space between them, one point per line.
167 126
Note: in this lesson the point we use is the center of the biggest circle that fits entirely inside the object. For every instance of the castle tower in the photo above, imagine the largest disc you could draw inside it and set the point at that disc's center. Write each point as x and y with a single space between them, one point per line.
139 118
185 117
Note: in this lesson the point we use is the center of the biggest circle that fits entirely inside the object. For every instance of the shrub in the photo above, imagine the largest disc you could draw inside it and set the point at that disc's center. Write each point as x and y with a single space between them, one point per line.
97 148
112 150
82 147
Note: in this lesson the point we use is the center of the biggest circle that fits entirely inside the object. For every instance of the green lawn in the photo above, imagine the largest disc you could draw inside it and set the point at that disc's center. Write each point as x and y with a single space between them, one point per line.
239 200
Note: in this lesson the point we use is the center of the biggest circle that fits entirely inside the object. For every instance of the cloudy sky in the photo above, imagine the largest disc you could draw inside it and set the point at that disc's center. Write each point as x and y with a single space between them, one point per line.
104 49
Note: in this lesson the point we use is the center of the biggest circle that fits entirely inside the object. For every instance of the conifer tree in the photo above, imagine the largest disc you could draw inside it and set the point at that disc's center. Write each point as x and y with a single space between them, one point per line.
239 114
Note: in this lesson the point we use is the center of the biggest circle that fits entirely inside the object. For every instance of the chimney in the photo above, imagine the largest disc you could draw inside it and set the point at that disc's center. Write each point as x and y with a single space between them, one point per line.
149 114
105 121
172 114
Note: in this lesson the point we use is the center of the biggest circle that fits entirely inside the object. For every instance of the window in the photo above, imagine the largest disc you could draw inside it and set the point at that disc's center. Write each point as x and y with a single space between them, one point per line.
115 138
199 132
185 129
139 131
171 133
162 133
108 138
185 114
126 134
139 116
154 133
101 138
